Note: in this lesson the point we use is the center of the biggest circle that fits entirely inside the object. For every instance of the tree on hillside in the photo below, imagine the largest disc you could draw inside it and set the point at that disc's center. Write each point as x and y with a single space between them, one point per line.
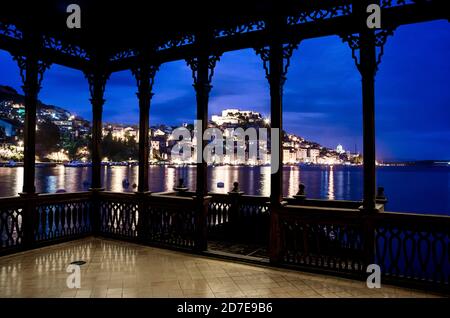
72 146
119 150
47 138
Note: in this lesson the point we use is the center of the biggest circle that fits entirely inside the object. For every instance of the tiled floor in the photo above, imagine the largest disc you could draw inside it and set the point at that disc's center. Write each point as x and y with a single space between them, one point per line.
120 269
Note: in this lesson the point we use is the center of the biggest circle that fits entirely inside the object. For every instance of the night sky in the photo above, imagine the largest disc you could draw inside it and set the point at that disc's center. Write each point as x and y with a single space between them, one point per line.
322 100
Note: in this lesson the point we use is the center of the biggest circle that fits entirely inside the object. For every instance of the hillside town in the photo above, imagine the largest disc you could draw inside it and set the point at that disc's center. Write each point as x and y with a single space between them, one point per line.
63 137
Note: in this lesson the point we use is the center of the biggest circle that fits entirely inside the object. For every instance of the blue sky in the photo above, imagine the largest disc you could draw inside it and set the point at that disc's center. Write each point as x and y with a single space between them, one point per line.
322 100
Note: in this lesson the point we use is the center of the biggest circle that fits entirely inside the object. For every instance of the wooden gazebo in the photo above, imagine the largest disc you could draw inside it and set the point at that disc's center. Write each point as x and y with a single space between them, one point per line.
341 237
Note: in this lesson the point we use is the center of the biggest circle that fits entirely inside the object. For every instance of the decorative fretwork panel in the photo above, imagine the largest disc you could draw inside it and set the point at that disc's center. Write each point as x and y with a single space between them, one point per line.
177 42
249 207
354 42
239 29
219 218
61 220
10 30
414 252
66 48
326 245
218 211
119 217
170 225
395 3
11 231
124 54
319 14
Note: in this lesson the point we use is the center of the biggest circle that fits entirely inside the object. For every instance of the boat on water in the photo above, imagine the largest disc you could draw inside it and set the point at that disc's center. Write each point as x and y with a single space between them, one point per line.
77 164
14 164
11 164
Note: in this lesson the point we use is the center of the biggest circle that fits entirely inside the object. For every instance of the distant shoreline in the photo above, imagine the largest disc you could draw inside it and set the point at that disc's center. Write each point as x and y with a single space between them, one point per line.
11 164
416 163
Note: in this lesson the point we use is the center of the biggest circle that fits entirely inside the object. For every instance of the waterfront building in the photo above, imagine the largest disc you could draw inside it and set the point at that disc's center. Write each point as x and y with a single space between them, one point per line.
289 156
340 149
302 154
235 117
313 155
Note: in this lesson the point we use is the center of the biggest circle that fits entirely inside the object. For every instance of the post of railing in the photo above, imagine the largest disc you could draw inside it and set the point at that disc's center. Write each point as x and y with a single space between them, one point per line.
143 221
369 228
96 211
233 215
180 188
29 219
201 239
275 244
369 241
381 202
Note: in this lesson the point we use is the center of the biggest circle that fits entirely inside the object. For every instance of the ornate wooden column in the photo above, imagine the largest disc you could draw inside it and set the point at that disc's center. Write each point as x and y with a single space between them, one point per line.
31 72
276 60
202 72
97 79
368 69
370 44
276 80
145 76
368 41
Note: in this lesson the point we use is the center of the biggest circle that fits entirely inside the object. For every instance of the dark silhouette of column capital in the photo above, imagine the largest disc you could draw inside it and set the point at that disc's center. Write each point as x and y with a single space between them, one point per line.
208 62
97 80
145 78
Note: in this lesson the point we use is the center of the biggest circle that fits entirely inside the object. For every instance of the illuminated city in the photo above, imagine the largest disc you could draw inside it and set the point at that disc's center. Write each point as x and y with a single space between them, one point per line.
74 134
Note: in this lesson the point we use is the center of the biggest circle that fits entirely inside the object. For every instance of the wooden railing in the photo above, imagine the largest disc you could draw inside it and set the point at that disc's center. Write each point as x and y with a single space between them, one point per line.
62 216
409 248
12 211
412 247
235 216
164 219
174 221
322 238
220 210
119 214
328 236
31 221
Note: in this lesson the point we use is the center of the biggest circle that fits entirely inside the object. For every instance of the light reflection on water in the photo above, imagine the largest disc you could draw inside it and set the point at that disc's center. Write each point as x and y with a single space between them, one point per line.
409 189
331 184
